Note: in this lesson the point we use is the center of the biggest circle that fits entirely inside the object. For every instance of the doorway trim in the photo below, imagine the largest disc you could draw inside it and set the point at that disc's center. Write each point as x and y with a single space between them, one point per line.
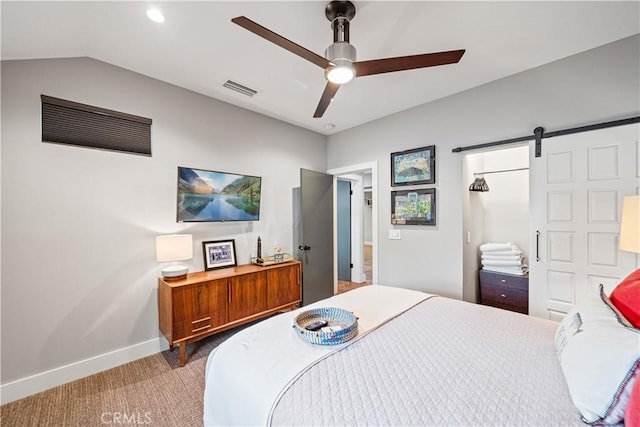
359 168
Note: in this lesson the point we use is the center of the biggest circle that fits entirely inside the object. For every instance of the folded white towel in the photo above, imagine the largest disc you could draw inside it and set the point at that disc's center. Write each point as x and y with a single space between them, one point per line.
507 270
497 263
493 247
491 257
502 253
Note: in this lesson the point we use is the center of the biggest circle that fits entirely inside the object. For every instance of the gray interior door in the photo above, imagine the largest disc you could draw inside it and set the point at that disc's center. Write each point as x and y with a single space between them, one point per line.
315 248
344 229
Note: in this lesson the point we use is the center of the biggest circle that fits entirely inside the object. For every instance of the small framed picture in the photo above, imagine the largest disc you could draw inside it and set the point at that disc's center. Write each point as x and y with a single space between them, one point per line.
413 207
411 167
219 254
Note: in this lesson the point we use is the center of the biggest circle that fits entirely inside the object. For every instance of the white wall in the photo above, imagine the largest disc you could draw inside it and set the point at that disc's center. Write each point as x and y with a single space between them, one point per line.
368 218
598 85
368 210
472 220
78 225
506 204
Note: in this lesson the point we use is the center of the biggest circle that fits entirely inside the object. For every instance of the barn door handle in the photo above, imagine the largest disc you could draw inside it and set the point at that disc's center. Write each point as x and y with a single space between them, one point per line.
304 247
537 246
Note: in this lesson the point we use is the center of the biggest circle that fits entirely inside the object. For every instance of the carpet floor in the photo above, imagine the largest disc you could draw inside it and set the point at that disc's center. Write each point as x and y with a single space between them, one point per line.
153 391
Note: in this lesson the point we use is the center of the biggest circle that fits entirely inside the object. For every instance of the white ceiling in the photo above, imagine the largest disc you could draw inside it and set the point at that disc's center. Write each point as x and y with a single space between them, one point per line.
198 47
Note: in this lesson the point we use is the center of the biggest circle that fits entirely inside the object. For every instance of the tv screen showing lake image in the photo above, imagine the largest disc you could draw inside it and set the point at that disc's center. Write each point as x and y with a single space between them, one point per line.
217 196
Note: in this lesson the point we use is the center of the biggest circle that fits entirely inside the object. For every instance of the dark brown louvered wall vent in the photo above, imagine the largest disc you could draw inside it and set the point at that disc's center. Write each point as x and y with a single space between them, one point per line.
72 123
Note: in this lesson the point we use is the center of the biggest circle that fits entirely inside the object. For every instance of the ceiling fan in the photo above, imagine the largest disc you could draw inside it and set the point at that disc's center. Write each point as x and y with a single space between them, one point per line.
339 62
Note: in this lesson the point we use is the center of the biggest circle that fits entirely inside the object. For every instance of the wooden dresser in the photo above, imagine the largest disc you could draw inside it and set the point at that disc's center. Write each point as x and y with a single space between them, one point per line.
209 302
506 291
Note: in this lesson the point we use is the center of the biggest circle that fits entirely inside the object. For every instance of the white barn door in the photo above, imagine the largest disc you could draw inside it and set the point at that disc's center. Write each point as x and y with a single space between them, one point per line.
576 192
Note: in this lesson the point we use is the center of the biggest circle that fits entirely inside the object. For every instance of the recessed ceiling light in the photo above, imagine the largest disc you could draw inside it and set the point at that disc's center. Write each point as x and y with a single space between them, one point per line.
155 15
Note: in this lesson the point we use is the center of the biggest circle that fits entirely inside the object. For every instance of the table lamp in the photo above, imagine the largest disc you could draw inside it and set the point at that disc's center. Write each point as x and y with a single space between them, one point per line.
630 224
172 248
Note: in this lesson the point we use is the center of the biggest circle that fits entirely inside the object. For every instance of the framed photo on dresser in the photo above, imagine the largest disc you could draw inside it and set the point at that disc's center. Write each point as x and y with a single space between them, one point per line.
219 254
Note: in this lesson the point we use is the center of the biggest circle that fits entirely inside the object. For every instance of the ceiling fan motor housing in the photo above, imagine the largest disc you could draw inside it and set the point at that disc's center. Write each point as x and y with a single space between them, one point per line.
341 54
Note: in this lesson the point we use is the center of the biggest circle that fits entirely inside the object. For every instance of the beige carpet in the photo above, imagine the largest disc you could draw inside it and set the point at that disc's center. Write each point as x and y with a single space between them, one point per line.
152 391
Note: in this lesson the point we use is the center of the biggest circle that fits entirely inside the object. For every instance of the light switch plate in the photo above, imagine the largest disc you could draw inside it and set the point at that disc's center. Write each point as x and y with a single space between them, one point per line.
395 235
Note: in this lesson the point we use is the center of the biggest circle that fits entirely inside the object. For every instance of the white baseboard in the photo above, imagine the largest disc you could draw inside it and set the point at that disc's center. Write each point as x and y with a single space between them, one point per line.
358 278
33 384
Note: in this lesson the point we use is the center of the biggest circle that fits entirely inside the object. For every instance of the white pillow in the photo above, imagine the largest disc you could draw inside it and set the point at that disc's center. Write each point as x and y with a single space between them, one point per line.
599 356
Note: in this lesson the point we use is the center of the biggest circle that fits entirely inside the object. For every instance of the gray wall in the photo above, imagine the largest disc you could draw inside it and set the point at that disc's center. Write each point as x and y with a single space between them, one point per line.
598 85
78 225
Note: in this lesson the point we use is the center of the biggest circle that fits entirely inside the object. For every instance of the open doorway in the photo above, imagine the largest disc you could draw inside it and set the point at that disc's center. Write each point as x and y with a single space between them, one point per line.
497 213
364 223
344 193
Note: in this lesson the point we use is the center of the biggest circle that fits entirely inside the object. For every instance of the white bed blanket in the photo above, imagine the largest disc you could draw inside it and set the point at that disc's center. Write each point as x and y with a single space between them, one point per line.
442 363
247 373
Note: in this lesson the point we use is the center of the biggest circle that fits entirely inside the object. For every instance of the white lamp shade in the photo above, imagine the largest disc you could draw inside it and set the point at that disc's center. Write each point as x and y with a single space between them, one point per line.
174 247
630 224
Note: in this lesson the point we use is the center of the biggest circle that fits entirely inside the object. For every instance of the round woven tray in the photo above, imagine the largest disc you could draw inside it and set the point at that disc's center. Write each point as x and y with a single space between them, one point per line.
336 317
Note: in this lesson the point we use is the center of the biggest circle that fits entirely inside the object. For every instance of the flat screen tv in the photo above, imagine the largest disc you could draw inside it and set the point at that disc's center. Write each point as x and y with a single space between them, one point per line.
205 196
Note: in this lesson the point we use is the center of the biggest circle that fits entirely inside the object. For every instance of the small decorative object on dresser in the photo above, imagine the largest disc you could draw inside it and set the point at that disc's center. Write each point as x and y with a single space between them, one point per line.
259 251
507 291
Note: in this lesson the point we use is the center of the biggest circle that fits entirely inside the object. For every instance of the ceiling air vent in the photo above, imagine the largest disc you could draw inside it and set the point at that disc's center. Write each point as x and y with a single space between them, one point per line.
239 88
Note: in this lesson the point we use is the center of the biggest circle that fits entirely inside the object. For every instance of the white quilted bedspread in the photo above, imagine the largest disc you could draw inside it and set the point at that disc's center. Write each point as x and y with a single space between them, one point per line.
246 374
445 363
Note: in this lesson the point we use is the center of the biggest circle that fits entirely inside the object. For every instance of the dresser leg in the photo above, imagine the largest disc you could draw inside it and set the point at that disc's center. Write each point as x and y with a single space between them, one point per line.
183 348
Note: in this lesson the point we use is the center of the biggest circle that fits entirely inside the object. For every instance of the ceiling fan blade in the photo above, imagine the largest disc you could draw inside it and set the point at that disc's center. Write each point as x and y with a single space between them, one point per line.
292 47
326 98
401 63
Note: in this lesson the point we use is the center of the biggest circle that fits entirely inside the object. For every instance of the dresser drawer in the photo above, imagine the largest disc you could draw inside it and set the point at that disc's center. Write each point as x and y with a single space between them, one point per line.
504 280
186 328
504 291
504 297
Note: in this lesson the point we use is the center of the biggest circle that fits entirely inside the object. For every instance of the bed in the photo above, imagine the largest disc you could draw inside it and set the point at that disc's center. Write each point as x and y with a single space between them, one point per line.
418 359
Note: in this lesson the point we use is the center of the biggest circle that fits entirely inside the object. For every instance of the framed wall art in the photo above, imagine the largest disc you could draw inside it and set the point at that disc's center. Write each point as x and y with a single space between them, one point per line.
413 207
416 166
219 254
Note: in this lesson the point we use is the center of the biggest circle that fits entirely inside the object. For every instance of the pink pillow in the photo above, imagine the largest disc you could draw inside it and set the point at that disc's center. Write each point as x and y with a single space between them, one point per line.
626 298
632 413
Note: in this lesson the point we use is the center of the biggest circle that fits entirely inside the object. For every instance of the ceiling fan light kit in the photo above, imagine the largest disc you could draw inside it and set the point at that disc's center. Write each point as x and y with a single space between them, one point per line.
341 53
339 62
341 74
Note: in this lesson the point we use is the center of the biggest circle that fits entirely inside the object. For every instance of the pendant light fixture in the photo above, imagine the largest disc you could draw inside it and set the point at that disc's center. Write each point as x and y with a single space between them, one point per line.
479 185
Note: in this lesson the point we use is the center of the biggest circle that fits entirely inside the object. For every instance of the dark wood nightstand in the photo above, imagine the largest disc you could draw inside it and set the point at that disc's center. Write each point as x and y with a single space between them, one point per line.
506 291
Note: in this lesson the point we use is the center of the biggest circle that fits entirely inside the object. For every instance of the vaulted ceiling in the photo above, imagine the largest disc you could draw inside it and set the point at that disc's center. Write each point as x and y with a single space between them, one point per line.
199 48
